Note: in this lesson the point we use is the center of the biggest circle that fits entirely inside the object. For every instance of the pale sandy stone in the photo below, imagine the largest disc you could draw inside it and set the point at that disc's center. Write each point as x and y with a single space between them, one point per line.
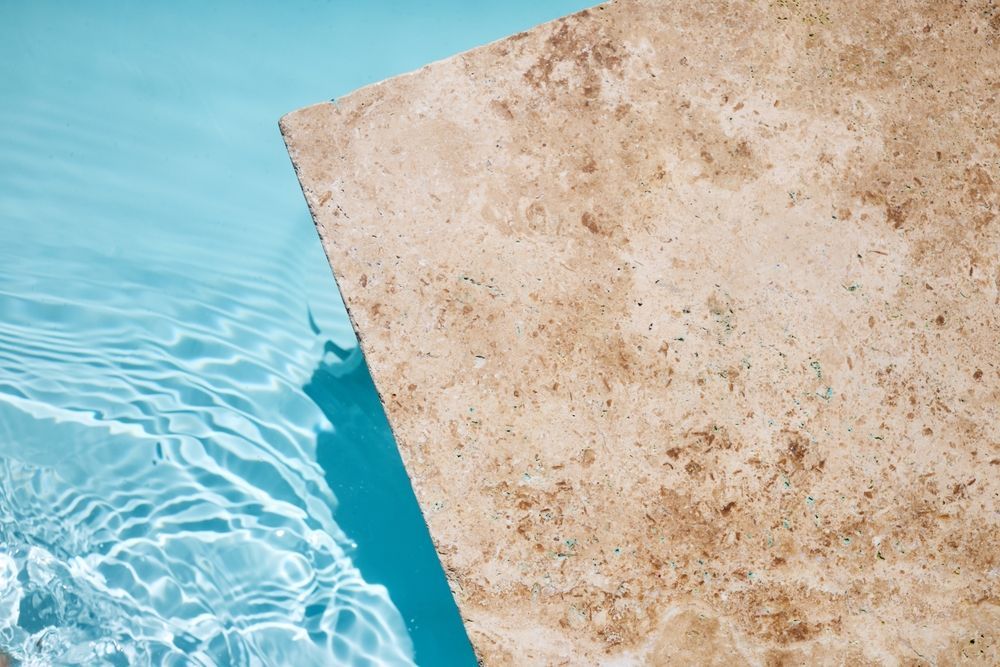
686 318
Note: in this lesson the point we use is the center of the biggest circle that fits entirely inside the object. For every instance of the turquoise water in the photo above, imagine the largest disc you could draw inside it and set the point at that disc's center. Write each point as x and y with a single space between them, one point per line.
194 467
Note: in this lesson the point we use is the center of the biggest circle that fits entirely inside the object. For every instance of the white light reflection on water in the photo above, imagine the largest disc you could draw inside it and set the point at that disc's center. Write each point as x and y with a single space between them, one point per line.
163 303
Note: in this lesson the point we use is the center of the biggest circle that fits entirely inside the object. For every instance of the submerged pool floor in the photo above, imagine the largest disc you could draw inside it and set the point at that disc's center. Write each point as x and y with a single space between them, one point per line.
194 467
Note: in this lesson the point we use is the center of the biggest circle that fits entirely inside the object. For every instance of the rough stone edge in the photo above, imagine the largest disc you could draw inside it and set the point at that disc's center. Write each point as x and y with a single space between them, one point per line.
288 124
285 123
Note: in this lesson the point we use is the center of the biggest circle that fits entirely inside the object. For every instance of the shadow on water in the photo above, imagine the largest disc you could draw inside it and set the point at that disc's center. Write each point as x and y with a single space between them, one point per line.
364 469
160 496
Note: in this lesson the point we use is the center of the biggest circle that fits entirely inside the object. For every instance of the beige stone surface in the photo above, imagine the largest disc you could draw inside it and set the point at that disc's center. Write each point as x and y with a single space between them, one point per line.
686 316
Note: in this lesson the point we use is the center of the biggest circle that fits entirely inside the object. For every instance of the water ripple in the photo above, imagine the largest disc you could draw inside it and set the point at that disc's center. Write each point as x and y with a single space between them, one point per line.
165 309
160 500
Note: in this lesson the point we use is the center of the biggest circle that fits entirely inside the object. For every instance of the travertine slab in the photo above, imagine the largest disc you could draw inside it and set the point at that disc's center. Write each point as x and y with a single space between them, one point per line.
686 318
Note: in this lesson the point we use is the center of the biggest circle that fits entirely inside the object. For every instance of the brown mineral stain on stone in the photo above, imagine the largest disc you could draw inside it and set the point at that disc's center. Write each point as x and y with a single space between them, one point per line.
706 297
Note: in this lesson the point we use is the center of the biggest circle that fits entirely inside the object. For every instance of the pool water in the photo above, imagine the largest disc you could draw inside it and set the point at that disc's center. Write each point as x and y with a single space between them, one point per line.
194 465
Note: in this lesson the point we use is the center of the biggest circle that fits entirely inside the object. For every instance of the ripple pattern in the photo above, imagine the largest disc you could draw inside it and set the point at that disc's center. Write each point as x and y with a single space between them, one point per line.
165 319
160 500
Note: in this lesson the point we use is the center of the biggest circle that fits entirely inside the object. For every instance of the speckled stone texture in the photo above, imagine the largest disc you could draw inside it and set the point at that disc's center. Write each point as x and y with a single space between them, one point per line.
686 316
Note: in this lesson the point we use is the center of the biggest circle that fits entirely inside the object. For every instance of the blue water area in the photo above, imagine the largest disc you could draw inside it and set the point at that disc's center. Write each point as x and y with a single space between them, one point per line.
194 465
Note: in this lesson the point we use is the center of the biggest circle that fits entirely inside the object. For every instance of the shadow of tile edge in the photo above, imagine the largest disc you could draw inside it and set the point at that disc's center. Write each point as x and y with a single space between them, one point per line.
302 122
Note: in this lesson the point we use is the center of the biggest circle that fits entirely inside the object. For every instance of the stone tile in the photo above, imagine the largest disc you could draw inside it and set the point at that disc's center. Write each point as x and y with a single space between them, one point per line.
686 317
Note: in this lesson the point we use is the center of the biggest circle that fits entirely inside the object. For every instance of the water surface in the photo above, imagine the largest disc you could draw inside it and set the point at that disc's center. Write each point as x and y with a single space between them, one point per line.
194 466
